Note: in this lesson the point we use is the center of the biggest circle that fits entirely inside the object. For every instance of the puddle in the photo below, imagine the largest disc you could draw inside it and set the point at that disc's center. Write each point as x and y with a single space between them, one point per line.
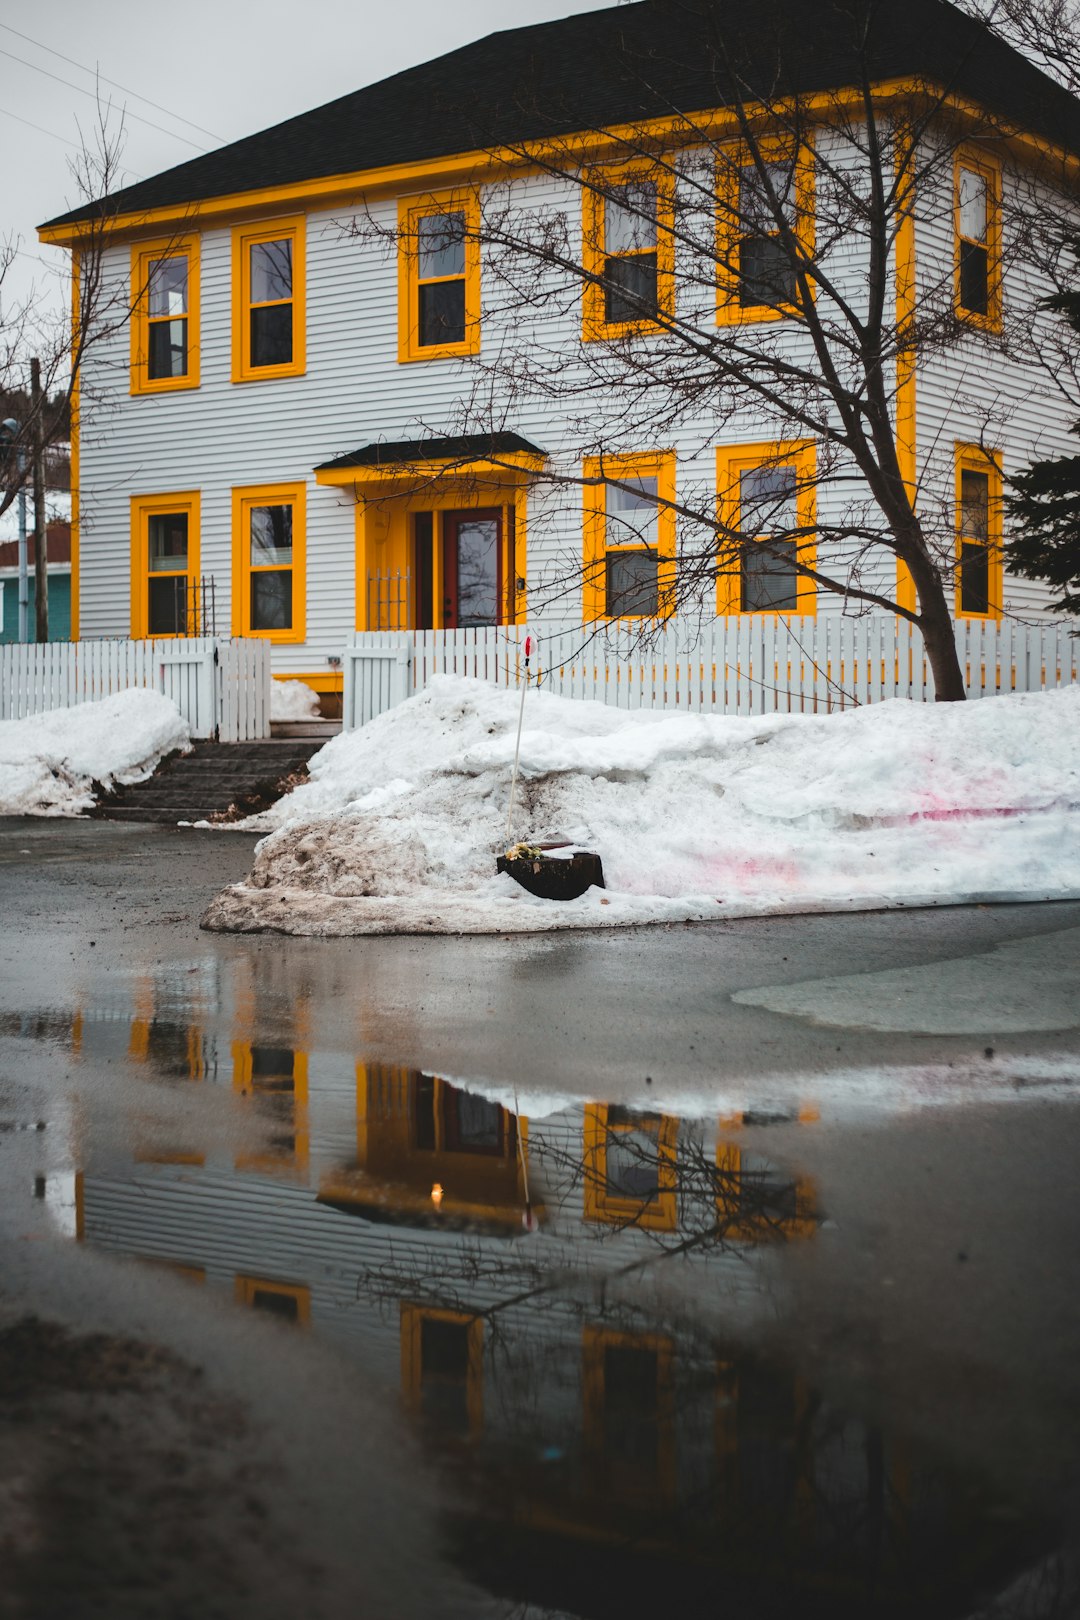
638 1343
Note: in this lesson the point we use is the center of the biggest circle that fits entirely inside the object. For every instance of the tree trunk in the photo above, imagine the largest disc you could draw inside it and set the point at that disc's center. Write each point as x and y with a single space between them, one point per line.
936 624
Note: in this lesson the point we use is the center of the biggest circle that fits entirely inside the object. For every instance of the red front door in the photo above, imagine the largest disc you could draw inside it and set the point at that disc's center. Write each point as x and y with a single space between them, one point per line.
472 568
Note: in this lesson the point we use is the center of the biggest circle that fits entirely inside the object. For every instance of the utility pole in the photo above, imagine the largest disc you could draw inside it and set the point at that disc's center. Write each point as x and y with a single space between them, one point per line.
37 440
24 586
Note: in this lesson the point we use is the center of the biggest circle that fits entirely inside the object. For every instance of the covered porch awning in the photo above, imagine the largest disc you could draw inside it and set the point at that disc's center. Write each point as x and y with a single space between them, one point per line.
500 457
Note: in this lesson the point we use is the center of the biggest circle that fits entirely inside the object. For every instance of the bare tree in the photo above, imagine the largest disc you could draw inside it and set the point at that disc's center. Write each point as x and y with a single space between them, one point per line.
748 277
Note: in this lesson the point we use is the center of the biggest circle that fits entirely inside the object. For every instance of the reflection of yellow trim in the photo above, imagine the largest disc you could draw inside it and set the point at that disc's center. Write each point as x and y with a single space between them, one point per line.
80 1207
906 364
658 464
179 1268
246 1288
410 211
245 237
594 1342
594 187
979 161
244 1083
730 311
243 499
654 1215
412 1371
143 254
143 508
973 458
729 1162
730 464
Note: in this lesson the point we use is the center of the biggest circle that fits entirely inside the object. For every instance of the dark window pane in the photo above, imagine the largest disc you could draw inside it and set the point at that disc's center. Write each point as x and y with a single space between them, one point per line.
268 1299
440 242
631 1405
974 577
974 505
271 335
424 1111
444 1371
168 349
272 1063
442 313
168 284
766 274
271 600
271 271
769 579
473 1124
167 542
632 586
630 288
974 278
633 1165
167 606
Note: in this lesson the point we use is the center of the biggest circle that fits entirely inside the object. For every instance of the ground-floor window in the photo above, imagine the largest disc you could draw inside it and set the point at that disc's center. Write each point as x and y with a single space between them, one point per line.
164 564
629 535
978 533
269 562
442 1367
766 511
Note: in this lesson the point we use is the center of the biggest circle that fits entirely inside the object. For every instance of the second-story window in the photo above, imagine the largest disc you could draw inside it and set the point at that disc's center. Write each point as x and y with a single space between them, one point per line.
439 276
165 315
268 301
628 249
976 210
765 229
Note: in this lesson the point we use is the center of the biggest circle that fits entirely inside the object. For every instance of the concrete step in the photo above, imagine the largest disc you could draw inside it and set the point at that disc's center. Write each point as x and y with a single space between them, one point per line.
318 730
211 779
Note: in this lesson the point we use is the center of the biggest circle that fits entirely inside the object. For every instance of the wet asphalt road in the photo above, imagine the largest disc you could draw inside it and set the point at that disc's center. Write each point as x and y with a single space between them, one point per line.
921 1070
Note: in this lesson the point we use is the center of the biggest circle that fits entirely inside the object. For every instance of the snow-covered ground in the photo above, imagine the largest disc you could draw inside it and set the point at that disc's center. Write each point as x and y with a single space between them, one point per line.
292 700
695 817
48 762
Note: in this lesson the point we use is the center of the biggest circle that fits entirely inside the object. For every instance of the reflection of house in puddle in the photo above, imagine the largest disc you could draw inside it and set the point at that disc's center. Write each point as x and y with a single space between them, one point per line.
546 1295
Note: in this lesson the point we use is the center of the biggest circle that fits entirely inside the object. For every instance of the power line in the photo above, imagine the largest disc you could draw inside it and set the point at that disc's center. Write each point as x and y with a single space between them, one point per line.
78 87
41 131
72 62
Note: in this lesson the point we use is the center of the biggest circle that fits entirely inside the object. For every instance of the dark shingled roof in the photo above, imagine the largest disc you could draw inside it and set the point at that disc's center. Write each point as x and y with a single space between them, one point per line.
468 447
616 66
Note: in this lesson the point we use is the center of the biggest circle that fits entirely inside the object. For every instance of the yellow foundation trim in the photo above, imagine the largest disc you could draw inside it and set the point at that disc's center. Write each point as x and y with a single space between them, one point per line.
319 682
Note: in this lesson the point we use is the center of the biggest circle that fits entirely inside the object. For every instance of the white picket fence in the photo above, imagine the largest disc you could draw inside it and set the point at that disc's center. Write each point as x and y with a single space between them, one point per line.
739 666
221 687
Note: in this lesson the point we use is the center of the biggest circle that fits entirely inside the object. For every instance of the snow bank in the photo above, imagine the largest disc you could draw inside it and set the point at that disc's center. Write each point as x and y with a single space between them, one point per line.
49 762
292 700
695 817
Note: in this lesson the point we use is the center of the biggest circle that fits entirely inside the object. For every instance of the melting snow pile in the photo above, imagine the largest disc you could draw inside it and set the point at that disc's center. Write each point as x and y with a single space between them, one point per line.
293 700
695 817
49 762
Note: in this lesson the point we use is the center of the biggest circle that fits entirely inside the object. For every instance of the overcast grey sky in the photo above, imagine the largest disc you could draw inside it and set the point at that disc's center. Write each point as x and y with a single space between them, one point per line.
230 66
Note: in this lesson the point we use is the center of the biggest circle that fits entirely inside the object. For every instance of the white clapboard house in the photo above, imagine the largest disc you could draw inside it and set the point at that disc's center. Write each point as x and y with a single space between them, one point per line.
339 409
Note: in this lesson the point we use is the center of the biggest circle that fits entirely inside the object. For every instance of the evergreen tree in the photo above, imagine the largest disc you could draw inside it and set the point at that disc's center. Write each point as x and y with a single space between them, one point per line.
1045 505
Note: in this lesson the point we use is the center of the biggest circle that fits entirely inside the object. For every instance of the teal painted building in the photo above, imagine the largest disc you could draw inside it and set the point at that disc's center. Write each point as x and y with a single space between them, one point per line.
59 606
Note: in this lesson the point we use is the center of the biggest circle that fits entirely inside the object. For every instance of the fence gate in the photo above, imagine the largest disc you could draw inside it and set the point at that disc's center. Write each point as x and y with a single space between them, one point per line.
378 675
186 676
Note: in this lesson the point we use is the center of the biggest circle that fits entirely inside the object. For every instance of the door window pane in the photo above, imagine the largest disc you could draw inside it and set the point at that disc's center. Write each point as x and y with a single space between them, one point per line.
271 600
271 335
168 349
271 271
478 572
630 218
632 584
441 245
168 287
442 312
167 536
271 536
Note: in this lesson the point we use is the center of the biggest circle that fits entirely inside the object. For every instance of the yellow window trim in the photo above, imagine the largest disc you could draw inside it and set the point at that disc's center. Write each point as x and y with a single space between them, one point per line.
972 458
653 1215
143 254
463 200
658 464
743 1228
412 1320
243 499
731 462
247 1287
244 238
596 183
736 157
980 161
143 508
